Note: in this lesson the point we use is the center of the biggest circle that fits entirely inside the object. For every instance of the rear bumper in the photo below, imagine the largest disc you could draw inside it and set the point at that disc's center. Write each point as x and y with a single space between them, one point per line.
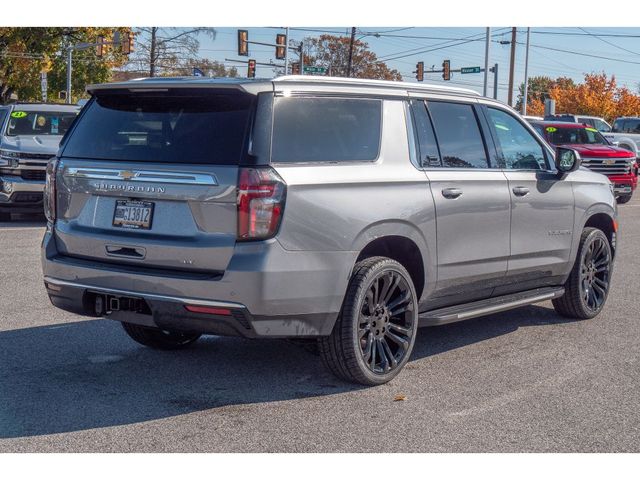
270 292
19 195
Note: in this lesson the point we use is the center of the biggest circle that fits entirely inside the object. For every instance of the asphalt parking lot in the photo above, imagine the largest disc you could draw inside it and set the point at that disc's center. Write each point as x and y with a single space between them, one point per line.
526 380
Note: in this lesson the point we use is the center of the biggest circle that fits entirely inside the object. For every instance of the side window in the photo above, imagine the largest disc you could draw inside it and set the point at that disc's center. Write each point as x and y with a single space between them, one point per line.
520 149
326 129
602 126
617 126
632 126
3 115
459 137
588 121
427 145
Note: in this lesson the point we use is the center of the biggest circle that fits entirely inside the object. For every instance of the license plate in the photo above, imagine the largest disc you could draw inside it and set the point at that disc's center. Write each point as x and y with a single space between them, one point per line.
133 214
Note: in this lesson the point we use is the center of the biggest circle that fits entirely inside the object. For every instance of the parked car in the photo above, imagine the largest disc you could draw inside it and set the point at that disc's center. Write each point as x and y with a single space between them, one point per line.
344 210
598 123
29 137
617 163
626 134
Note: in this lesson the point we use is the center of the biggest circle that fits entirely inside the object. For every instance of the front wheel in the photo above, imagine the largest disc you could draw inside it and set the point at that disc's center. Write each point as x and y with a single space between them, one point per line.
376 330
587 287
624 198
158 338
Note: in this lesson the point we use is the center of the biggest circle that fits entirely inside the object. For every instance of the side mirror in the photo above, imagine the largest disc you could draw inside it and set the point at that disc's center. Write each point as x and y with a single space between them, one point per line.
567 159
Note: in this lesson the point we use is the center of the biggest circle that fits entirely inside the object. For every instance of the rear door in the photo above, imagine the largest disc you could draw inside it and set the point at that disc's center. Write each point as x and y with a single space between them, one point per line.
472 204
149 178
542 204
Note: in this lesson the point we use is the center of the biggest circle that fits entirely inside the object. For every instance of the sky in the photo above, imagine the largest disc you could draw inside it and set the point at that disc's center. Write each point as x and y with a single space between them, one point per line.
620 48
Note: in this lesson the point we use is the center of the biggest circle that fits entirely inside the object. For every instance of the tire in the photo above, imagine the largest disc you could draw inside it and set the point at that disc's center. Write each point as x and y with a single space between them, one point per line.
5 217
624 198
159 339
587 287
379 318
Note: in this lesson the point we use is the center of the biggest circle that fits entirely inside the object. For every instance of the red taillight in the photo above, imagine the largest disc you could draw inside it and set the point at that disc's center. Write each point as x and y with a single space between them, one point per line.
50 190
261 195
207 310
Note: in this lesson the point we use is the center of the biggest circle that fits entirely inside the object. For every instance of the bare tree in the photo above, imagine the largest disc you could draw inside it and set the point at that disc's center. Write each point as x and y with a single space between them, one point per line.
162 51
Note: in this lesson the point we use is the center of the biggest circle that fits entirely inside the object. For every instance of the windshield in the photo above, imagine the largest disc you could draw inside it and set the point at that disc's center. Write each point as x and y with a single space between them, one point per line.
34 122
187 126
563 136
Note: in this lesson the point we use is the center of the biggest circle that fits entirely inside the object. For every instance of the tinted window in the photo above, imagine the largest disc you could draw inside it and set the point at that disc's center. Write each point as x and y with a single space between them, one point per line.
520 150
617 125
427 145
459 136
569 135
326 130
632 126
179 127
38 123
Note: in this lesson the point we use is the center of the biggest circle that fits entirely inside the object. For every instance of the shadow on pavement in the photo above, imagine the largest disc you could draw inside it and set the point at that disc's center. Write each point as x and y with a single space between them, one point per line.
88 374
25 220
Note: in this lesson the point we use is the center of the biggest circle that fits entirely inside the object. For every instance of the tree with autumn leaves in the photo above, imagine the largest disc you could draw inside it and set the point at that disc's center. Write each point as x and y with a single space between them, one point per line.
332 53
598 95
25 52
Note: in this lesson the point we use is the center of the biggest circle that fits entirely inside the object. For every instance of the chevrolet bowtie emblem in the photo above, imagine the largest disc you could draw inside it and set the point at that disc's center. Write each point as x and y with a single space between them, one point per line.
127 174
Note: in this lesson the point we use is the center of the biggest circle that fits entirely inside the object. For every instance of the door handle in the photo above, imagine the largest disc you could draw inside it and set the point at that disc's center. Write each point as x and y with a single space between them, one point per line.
520 191
451 192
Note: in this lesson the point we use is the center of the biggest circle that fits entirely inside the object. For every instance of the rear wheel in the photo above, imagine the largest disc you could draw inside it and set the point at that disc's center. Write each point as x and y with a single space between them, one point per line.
587 288
158 338
624 198
376 330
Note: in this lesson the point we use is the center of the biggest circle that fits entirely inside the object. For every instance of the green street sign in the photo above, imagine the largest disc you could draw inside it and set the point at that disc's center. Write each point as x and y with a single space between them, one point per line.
315 70
470 70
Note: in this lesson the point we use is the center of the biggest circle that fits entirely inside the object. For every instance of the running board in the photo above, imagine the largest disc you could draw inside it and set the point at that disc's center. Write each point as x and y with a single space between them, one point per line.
458 313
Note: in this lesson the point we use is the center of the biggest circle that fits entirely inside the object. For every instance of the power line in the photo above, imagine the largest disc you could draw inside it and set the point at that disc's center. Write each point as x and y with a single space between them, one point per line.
608 42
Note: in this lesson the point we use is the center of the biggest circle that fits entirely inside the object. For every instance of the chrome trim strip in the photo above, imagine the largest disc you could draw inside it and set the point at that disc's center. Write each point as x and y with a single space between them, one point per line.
151 296
142 176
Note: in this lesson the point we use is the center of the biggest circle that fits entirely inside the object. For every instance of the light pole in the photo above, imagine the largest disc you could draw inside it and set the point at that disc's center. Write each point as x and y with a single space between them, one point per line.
526 76
69 62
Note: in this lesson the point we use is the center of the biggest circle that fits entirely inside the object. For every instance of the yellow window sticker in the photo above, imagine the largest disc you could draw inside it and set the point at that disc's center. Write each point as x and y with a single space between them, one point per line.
551 129
18 114
591 129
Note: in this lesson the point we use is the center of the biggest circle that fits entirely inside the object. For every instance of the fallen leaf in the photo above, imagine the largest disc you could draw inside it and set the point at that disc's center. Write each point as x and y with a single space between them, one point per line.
399 398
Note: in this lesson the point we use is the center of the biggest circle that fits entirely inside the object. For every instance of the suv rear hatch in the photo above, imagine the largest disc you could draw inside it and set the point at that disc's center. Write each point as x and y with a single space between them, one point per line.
148 178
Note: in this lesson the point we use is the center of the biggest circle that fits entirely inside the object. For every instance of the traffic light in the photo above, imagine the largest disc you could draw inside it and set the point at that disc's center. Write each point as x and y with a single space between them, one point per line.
281 39
251 69
127 43
420 71
100 46
295 69
243 43
446 70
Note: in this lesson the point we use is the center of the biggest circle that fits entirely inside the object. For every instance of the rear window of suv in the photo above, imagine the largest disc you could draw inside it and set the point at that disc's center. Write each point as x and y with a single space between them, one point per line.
177 127
326 130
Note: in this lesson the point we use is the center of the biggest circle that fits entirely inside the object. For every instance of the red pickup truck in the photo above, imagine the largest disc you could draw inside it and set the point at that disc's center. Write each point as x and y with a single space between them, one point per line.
597 154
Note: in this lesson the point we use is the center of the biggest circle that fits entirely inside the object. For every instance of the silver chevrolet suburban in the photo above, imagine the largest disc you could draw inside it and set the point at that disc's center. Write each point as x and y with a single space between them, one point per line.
29 137
344 210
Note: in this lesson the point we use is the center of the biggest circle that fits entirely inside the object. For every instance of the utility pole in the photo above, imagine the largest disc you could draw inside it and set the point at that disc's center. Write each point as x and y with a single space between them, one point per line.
69 63
152 52
526 75
353 38
286 52
487 50
512 65
495 81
